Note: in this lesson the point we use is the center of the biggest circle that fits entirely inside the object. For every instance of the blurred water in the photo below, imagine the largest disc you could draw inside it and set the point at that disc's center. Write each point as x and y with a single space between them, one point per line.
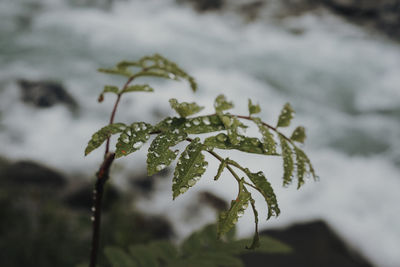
343 83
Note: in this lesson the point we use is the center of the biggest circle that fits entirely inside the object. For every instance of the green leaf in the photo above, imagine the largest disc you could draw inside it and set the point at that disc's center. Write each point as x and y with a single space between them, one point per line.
118 258
170 124
299 135
185 109
132 138
108 89
265 188
256 239
160 155
125 64
116 71
220 169
221 103
228 219
203 124
190 168
288 165
253 109
267 137
246 144
300 166
138 88
102 135
286 116
300 153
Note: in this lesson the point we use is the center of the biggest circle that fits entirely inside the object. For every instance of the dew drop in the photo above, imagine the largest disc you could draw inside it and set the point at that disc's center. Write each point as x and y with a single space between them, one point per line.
183 189
186 156
206 121
92 218
245 205
93 209
196 178
191 182
137 145
187 124
169 121
221 137
240 213
136 127
196 122
160 167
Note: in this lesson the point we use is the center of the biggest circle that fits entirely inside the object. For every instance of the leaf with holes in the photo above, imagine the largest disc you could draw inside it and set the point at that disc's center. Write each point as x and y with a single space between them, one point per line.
265 188
100 136
256 238
228 219
246 144
160 155
191 166
288 164
203 124
286 116
307 162
185 109
267 137
132 138
253 109
299 135
300 167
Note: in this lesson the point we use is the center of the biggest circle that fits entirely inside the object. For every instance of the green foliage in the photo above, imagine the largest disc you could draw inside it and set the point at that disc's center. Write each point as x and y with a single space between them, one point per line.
133 138
101 135
286 116
228 134
299 135
151 66
160 155
228 219
253 109
190 168
184 109
198 250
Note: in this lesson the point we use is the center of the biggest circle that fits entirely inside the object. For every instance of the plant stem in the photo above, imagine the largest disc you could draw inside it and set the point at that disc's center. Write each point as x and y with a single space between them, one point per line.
102 176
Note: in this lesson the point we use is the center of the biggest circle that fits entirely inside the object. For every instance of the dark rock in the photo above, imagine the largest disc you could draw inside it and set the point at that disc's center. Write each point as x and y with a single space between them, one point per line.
44 94
314 244
205 5
28 173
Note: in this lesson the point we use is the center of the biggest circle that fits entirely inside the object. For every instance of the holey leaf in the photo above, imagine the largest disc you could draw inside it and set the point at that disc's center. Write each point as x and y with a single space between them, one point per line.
246 144
265 188
299 134
185 109
300 167
288 165
132 138
286 116
267 137
160 155
300 155
228 219
196 125
191 166
100 136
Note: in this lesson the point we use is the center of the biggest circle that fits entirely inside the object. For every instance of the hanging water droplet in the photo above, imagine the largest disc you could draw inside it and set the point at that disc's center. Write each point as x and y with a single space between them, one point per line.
187 124
191 182
143 126
169 121
171 76
245 205
136 127
93 209
196 122
176 131
160 167
92 218
94 191
196 178
186 156
183 189
125 138
206 121
240 213
137 145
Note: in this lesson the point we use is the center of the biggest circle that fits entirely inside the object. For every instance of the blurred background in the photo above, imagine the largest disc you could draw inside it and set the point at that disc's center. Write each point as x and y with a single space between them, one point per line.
336 61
